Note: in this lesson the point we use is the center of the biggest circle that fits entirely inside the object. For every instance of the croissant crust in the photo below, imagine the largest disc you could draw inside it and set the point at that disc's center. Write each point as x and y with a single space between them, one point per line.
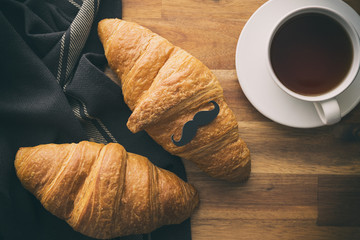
103 191
165 87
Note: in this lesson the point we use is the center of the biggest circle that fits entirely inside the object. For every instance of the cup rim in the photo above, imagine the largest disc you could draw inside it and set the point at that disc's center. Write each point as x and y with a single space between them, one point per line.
355 41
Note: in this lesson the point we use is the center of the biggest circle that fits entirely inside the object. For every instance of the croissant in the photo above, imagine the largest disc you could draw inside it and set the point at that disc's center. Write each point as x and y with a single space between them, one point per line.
102 191
165 87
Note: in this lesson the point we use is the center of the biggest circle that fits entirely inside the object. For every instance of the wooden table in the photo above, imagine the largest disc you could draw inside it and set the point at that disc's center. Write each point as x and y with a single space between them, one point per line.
305 184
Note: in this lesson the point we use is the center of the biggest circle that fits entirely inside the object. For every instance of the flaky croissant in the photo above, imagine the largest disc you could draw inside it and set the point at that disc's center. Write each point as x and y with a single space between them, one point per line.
103 191
166 87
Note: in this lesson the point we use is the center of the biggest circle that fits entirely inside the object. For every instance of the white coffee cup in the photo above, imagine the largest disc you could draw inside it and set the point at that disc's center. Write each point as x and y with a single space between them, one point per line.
326 103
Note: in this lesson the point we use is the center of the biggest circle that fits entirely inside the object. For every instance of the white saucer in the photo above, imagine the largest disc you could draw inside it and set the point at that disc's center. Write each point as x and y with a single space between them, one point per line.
255 80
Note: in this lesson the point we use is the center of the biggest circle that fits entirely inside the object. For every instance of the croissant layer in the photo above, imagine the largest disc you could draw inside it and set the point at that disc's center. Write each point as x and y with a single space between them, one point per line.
103 191
165 87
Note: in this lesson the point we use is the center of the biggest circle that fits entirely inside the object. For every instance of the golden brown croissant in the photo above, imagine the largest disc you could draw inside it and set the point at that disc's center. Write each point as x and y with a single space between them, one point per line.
166 87
103 191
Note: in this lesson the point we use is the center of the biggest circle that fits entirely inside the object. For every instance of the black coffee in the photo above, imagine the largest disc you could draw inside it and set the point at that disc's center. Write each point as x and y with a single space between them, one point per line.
311 54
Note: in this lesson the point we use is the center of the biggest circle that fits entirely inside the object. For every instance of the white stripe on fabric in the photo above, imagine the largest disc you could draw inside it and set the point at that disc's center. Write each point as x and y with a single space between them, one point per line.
98 5
75 4
106 130
100 123
93 134
62 45
79 31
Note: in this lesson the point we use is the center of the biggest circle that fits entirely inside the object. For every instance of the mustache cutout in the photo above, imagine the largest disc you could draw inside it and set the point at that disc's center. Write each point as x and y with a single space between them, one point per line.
200 119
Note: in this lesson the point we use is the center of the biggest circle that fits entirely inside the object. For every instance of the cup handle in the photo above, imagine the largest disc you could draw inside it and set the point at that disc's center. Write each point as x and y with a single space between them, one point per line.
329 111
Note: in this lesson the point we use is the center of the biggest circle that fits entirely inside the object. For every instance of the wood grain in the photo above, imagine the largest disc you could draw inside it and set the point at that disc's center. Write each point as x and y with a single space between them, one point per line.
142 9
291 192
271 230
338 200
